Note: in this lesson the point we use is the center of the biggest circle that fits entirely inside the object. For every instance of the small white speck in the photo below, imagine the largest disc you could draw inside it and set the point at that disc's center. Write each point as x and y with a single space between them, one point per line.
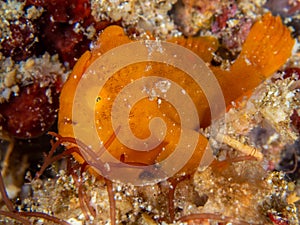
107 167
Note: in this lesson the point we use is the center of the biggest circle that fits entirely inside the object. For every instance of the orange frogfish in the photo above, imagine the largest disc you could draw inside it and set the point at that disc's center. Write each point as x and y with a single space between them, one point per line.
267 47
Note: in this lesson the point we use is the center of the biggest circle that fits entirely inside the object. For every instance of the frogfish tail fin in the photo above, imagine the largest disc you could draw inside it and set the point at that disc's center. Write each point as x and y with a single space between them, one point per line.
267 47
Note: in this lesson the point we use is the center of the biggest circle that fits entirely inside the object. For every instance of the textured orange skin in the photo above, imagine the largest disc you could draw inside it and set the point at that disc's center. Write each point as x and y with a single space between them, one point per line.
266 49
